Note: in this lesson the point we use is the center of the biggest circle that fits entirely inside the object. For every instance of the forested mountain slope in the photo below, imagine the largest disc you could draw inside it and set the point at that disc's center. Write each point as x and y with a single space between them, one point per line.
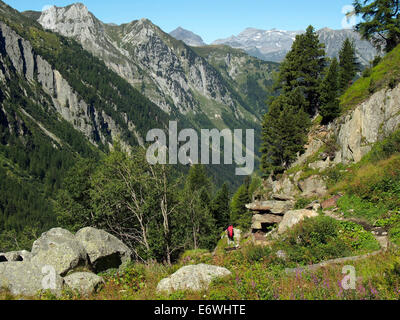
171 74
58 103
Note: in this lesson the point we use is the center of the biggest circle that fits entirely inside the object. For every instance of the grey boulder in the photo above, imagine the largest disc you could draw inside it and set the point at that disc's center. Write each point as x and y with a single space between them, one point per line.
59 248
104 250
193 278
291 218
84 282
15 256
28 279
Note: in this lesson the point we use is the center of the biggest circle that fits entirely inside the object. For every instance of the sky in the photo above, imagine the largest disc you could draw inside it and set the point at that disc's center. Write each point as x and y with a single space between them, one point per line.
211 19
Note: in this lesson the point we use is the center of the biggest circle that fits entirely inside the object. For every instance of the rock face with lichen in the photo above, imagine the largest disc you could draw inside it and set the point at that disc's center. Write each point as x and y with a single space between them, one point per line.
60 249
104 250
368 123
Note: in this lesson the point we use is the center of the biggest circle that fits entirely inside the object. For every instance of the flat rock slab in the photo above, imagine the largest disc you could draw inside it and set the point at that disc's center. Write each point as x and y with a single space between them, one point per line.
272 206
259 219
193 278
28 279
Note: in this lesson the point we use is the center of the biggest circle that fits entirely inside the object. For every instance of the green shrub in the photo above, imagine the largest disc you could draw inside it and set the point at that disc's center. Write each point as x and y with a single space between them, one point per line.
367 72
195 256
393 82
384 149
372 86
353 205
301 203
323 238
357 237
394 234
257 253
376 61
335 174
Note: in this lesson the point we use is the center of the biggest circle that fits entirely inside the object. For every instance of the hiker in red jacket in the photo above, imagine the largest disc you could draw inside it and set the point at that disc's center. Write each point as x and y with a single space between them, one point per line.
231 235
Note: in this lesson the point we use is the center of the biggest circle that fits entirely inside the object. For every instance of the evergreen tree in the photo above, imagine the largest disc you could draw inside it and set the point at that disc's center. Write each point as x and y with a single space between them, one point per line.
220 207
330 93
348 64
198 178
241 216
381 22
284 132
200 225
302 68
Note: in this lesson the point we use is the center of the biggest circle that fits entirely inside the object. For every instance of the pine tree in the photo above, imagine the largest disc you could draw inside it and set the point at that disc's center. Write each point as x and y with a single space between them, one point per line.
220 207
303 67
284 132
241 217
330 93
381 22
348 64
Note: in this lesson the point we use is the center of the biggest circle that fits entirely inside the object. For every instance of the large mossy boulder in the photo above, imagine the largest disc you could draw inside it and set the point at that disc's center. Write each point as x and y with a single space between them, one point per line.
192 278
28 279
104 250
59 248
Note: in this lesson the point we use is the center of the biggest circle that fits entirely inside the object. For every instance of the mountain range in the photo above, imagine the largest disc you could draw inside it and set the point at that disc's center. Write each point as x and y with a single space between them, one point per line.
273 45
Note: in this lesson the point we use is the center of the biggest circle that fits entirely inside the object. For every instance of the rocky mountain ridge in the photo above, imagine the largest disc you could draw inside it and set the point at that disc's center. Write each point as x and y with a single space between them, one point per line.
165 70
273 45
188 37
65 100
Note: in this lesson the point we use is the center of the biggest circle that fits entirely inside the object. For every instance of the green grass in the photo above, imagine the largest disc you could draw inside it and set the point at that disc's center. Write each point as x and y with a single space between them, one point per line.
354 206
385 74
323 238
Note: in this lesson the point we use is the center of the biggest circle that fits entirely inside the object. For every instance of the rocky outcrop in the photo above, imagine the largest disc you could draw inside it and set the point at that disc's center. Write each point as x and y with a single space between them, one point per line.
271 206
313 186
368 123
259 220
284 188
104 250
192 278
292 218
84 282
